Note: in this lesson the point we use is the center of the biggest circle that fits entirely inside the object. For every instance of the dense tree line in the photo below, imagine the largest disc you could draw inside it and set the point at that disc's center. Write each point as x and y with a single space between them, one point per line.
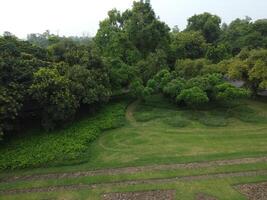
49 77
48 83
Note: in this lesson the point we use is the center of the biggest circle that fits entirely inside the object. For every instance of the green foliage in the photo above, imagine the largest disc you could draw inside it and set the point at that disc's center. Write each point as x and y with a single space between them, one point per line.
18 61
41 148
120 74
133 43
162 78
137 88
52 92
148 36
196 90
249 66
49 77
174 87
193 96
150 66
243 33
207 24
59 49
188 45
235 69
217 53
89 85
257 63
191 68
35 89
10 105
227 92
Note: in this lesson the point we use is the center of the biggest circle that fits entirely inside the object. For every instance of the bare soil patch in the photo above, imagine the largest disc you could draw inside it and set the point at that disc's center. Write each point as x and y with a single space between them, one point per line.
255 191
148 195
202 196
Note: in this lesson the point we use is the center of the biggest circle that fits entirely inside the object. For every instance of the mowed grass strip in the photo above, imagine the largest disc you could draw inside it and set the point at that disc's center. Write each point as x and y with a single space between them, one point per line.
186 190
138 176
134 170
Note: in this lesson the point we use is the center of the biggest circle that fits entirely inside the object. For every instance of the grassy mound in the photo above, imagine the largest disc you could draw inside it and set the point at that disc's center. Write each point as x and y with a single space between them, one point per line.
176 121
158 108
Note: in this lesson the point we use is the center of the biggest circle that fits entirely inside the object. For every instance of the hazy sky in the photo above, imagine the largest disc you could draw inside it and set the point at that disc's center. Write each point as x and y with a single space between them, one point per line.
75 17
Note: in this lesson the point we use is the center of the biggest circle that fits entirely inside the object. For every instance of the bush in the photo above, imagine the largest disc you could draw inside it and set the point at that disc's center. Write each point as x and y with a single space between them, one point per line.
193 96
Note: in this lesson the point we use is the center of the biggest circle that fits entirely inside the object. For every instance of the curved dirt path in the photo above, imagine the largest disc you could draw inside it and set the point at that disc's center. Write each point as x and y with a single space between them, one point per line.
133 182
133 170
129 113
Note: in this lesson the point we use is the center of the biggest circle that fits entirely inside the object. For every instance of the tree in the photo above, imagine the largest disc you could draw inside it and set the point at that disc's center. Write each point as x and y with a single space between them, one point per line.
134 33
217 53
191 68
249 66
257 64
188 45
52 92
18 61
58 49
150 66
243 33
10 106
194 91
144 30
207 24
137 88
228 92
174 87
89 85
261 27
192 97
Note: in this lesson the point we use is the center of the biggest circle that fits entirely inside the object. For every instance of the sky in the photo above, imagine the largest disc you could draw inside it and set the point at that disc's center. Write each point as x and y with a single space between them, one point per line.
81 17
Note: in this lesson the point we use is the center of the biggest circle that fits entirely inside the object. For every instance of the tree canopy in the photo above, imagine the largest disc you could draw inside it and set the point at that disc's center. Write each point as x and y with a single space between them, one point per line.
50 78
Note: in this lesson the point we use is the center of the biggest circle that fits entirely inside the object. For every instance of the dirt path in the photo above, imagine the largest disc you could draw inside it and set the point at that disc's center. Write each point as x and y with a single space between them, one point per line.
132 170
201 196
129 113
133 182
145 195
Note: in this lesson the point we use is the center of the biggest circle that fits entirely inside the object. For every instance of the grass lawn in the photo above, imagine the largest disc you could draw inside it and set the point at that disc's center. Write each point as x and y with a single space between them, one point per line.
158 132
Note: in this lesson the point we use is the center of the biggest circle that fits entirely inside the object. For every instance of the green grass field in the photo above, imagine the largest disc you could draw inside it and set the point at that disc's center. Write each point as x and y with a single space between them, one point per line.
156 135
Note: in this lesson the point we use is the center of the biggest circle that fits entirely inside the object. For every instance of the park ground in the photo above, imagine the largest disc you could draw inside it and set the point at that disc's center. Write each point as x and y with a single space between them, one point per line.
161 152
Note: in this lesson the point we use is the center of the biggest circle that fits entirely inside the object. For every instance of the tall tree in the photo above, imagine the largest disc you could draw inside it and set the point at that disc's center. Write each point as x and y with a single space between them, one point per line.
207 24
187 45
